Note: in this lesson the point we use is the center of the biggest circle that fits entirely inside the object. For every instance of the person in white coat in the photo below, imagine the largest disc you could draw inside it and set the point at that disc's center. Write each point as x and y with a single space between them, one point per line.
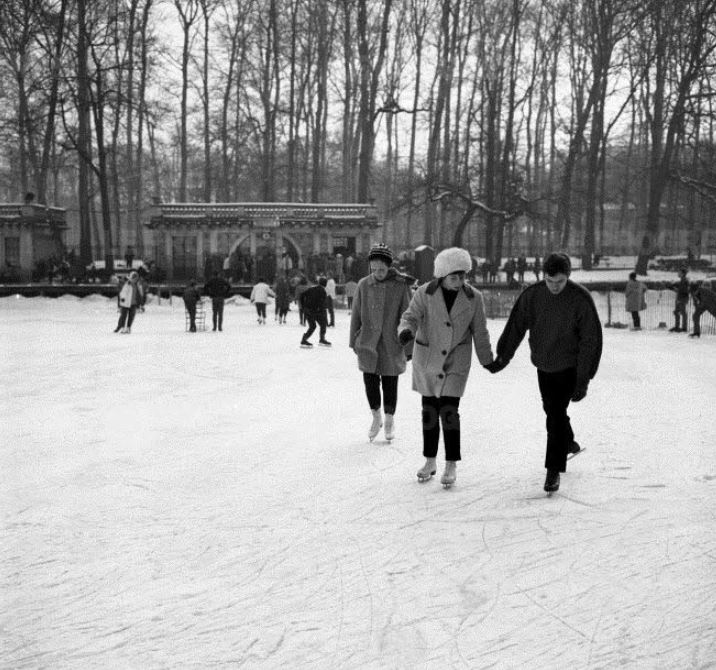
446 317
260 294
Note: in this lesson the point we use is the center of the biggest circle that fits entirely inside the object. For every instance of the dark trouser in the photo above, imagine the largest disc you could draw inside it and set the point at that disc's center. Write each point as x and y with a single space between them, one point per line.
700 309
557 389
680 311
217 312
261 309
636 319
436 411
191 310
126 316
314 318
389 383
350 302
331 313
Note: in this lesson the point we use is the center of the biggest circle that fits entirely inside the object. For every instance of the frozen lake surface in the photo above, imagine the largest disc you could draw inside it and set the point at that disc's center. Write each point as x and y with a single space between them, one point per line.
175 500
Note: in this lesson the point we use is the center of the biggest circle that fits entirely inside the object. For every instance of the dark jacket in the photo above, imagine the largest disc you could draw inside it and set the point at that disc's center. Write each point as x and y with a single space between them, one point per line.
191 296
565 331
705 300
313 300
217 287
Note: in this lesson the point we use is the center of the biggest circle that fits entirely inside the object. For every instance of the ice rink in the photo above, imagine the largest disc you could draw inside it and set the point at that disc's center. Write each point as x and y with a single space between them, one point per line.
211 500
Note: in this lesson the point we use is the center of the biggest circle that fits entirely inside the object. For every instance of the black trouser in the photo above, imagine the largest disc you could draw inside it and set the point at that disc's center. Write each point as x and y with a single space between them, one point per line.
389 383
350 302
700 309
680 314
314 318
436 411
217 312
191 309
331 313
261 310
126 316
557 389
636 319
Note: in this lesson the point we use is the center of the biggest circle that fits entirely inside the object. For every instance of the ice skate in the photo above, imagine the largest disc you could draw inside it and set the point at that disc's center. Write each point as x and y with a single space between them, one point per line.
305 344
389 428
695 335
427 471
324 342
551 483
450 474
376 425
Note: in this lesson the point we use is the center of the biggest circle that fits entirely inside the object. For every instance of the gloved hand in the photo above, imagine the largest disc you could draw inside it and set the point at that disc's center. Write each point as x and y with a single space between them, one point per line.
405 336
580 391
496 365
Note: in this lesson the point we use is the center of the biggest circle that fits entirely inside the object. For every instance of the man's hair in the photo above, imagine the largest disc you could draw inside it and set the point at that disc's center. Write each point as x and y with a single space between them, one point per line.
632 275
557 263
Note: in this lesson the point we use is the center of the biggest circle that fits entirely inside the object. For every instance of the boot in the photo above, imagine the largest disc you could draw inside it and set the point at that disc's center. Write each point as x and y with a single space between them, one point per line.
450 474
389 427
551 483
694 334
427 471
376 425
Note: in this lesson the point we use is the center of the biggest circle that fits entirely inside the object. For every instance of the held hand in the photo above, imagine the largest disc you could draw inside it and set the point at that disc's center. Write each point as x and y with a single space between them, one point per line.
405 336
580 392
496 365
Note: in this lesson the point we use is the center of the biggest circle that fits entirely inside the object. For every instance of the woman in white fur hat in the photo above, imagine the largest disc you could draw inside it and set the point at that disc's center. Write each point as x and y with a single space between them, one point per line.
445 316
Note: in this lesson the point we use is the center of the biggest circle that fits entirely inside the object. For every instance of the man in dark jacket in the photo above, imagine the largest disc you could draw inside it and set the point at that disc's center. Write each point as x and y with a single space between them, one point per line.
681 288
704 301
218 289
566 346
313 303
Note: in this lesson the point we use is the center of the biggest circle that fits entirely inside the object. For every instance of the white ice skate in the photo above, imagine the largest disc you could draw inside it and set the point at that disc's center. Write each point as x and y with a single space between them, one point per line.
427 471
376 425
389 427
450 474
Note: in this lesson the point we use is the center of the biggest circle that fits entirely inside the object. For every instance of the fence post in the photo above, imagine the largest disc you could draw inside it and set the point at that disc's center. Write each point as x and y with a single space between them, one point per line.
609 307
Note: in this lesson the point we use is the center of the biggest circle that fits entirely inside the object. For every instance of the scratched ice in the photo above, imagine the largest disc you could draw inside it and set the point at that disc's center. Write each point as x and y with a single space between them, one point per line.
171 500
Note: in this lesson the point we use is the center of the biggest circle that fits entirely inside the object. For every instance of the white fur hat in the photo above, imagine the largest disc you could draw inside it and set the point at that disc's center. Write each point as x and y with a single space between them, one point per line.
451 260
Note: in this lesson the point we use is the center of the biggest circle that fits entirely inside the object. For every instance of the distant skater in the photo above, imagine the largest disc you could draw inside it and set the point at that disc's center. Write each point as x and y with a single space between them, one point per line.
191 298
313 304
260 294
218 289
704 301
130 298
681 288
635 300
566 347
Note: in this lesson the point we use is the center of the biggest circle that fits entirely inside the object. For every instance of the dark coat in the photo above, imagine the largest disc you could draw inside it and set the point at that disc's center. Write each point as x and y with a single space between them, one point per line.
313 300
375 315
191 296
217 287
565 331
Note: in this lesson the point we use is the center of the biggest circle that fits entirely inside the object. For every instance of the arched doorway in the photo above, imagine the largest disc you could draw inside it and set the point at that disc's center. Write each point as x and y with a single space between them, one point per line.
266 262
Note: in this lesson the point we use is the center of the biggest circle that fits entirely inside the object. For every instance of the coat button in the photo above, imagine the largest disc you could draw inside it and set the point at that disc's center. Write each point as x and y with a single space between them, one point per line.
441 375
444 352
447 323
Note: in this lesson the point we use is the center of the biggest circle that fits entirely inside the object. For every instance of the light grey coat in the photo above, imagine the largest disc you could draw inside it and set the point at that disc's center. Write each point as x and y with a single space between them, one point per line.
442 354
376 311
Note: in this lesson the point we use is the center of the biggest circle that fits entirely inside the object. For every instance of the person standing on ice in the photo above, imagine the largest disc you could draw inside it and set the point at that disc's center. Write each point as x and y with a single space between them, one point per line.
260 294
445 317
566 346
379 301
635 301
191 298
681 288
705 301
218 289
130 297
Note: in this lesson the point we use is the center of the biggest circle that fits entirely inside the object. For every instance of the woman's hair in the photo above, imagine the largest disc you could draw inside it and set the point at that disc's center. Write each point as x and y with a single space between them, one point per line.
557 263
632 275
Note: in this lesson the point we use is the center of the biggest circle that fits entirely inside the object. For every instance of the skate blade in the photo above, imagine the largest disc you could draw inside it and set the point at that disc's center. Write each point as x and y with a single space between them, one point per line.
425 478
576 453
447 485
